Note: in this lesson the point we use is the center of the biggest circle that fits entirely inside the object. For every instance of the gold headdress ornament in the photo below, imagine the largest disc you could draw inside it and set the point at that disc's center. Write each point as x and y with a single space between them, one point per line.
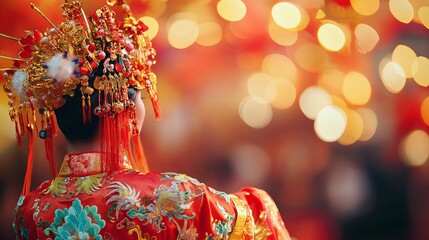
53 64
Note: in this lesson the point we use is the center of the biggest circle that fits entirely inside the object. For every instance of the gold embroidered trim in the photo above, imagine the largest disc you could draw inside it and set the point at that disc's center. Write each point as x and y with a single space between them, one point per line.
240 223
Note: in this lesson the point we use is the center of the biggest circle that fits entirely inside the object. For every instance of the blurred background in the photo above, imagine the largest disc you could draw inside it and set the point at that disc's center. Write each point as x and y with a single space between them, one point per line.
322 103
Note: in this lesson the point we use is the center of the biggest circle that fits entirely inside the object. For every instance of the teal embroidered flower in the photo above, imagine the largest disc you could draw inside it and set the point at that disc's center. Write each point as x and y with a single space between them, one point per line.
221 229
25 234
77 222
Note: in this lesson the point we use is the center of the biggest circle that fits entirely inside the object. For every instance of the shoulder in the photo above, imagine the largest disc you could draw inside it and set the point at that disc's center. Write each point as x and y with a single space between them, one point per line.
153 180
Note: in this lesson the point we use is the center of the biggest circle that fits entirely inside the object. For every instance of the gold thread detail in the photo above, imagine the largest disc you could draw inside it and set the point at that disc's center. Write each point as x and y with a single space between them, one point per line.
240 223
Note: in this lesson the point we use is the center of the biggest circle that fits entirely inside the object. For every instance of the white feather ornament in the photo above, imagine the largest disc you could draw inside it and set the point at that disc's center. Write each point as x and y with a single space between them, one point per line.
18 84
60 68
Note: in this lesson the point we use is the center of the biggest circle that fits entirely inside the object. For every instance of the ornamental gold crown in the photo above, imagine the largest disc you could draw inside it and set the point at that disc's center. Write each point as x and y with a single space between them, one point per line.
53 64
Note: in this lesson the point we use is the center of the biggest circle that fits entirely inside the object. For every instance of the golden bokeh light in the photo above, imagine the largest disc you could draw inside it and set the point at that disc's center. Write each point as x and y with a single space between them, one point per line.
356 88
424 110
404 56
262 85
402 10
287 15
330 123
156 10
255 112
414 148
339 102
183 33
354 128
332 81
286 94
210 34
314 4
417 4
420 71
423 14
320 14
281 36
331 37
312 100
311 57
231 10
393 76
370 123
366 38
152 25
279 66
365 7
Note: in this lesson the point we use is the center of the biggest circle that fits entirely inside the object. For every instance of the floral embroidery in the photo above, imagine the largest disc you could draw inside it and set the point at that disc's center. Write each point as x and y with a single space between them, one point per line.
124 197
45 205
88 184
211 237
83 163
24 233
222 228
57 187
170 202
190 233
77 222
125 223
181 178
143 213
220 194
36 208
42 224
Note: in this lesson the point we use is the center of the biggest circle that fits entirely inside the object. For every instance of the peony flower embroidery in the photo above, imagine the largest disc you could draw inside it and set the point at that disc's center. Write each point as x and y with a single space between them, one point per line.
77 222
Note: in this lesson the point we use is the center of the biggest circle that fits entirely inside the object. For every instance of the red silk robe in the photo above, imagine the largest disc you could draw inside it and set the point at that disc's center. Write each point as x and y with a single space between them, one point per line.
83 202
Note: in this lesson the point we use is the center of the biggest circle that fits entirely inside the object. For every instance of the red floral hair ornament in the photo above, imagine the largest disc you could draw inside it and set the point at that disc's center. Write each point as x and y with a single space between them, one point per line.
54 63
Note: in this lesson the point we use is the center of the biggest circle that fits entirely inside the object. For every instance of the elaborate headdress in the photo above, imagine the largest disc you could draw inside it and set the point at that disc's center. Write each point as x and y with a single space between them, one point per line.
53 64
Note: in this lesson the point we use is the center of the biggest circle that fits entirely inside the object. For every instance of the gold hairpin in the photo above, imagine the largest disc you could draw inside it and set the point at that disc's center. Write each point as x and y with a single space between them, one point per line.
44 16
11 58
8 37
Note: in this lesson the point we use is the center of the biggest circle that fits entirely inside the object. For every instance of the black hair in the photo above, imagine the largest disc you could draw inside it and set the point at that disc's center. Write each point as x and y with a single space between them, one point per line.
69 116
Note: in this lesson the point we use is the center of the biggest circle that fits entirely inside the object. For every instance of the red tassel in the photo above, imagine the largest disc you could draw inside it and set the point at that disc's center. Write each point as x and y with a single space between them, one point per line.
108 144
33 112
155 105
139 155
88 114
49 150
28 172
18 135
52 121
21 123
83 109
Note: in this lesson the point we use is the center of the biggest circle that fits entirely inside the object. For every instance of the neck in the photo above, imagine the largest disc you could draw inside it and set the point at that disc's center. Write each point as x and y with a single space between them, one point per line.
88 146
